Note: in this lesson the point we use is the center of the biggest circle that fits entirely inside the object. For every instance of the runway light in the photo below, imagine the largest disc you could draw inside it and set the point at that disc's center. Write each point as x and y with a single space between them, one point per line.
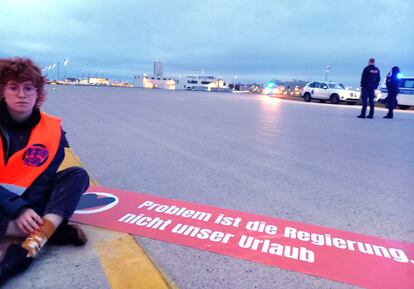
266 91
270 84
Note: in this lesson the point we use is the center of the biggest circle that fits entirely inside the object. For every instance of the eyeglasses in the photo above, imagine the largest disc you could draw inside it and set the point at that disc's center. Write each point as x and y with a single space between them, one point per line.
14 89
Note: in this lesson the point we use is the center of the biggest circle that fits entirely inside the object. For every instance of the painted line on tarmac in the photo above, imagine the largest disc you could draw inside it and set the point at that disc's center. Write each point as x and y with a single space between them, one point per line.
123 260
127 265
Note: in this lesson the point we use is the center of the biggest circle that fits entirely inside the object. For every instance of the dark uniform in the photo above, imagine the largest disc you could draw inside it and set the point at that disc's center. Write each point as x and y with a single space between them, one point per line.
393 88
369 82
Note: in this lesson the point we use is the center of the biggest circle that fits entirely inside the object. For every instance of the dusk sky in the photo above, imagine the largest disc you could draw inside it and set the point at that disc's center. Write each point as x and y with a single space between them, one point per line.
255 40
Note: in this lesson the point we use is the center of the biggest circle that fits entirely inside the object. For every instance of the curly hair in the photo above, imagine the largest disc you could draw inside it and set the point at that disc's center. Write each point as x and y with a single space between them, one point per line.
22 69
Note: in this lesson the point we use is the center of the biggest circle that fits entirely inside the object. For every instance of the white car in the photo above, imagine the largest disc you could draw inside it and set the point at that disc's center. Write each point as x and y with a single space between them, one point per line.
334 92
405 98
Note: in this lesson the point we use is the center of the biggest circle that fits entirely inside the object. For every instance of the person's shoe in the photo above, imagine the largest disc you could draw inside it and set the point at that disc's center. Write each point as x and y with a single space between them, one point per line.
370 116
361 116
5 244
68 234
387 116
14 262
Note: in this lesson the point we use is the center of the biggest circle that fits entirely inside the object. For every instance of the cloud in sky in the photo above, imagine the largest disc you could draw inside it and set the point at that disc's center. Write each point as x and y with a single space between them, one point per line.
253 40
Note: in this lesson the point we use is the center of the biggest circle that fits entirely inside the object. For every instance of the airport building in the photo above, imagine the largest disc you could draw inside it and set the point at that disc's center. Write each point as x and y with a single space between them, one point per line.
94 81
158 80
202 83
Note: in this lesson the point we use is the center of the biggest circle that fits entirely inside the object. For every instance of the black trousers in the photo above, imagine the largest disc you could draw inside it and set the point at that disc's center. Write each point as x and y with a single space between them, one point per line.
391 103
68 187
367 95
66 190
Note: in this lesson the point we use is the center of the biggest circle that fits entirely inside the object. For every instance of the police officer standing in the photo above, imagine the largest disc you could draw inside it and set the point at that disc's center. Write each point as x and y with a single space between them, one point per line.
369 82
393 88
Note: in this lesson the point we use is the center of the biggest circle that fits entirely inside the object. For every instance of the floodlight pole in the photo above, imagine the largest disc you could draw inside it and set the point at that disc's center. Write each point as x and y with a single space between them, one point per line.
234 84
57 71
327 68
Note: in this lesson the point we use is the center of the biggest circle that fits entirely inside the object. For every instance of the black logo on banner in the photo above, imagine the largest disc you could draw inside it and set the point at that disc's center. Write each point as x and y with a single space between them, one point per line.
96 202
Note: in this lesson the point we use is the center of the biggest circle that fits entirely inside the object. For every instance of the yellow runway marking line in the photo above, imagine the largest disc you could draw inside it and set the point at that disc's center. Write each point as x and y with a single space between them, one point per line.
127 266
72 160
125 263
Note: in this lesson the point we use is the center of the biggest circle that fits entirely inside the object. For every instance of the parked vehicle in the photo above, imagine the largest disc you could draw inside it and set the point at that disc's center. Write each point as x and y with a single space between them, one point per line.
334 92
405 98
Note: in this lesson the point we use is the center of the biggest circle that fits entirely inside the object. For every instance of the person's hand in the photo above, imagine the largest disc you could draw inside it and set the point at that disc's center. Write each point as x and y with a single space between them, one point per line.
28 221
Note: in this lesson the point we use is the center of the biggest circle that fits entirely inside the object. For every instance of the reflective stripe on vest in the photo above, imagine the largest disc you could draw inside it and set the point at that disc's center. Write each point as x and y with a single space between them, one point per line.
27 164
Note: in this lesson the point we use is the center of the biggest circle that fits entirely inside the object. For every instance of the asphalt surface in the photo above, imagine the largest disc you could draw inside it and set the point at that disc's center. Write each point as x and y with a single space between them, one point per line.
306 162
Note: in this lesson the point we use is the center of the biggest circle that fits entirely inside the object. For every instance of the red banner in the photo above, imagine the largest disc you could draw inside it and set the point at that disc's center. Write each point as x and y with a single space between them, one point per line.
347 257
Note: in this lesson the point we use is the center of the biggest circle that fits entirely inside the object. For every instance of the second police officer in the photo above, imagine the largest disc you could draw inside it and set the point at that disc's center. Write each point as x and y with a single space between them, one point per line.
393 88
369 82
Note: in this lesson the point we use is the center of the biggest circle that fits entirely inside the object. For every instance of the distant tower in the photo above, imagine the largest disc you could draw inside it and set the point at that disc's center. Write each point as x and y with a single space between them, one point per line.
158 68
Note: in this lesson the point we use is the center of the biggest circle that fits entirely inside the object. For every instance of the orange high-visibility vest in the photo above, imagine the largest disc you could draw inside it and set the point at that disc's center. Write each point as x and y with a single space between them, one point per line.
27 164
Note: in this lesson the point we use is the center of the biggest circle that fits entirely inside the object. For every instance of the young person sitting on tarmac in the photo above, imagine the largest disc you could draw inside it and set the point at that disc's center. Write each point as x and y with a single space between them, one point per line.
36 201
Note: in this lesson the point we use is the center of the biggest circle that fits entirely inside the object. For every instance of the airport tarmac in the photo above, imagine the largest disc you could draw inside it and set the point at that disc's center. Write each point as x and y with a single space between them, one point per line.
307 162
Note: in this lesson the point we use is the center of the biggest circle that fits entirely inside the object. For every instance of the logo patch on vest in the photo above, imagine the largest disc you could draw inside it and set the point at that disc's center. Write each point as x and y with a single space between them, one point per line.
35 155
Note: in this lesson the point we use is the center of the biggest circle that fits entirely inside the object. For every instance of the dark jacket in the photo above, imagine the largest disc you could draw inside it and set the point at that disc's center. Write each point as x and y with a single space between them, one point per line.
15 136
393 83
370 77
